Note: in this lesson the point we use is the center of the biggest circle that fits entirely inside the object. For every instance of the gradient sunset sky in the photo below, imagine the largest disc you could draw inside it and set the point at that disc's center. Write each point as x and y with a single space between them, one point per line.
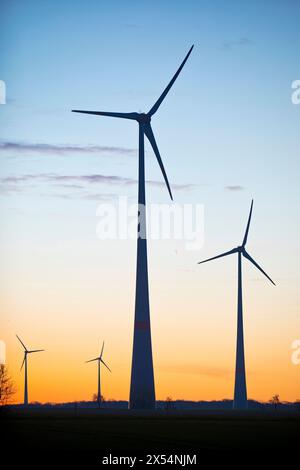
227 132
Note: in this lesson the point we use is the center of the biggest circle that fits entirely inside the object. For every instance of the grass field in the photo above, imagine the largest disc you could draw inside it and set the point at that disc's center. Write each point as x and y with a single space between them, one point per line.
90 434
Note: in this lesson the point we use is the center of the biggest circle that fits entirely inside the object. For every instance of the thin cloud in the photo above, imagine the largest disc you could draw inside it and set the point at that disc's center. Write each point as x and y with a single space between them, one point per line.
55 178
69 186
23 148
18 183
241 42
9 189
178 187
100 197
234 188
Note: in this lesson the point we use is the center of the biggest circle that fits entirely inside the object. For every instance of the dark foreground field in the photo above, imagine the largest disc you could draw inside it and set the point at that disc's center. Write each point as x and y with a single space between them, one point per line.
87 435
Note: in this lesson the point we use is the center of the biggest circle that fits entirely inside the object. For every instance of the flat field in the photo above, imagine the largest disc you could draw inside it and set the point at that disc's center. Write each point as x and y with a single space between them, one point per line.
40 435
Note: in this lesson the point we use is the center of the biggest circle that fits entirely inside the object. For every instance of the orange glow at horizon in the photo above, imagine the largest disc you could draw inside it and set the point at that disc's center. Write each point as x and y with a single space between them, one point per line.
190 363
67 301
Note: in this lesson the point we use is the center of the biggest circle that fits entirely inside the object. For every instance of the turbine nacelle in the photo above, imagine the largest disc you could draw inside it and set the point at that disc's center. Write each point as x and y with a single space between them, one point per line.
99 359
143 118
27 351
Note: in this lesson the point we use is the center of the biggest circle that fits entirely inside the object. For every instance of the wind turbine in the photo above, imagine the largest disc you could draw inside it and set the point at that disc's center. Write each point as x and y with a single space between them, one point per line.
142 388
240 388
99 360
26 352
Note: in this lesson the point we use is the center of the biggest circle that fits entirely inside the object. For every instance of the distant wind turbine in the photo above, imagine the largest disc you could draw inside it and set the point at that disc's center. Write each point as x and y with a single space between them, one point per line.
99 360
142 388
240 388
26 352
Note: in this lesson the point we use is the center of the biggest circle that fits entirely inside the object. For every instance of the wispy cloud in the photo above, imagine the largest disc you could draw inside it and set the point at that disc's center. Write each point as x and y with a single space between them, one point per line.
177 187
18 183
30 148
100 197
235 187
243 41
55 178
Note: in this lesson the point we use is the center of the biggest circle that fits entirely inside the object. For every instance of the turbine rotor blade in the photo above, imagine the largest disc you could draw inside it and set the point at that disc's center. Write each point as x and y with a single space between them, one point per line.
21 343
248 225
105 365
22 363
102 350
103 113
149 134
35 350
219 256
167 89
257 266
92 360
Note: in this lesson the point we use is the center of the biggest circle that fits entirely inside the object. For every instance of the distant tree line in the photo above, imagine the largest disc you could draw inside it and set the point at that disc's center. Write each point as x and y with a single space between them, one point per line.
7 386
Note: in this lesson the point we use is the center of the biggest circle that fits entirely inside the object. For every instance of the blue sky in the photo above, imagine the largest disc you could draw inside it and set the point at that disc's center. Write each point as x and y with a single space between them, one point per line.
227 122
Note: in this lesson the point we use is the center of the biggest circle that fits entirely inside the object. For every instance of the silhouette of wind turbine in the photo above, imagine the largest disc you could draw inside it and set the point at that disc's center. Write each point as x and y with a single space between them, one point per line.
240 388
99 360
142 388
26 352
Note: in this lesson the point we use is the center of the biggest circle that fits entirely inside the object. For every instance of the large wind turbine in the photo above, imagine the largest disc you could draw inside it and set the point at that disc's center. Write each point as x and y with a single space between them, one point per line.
240 388
99 360
142 389
26 352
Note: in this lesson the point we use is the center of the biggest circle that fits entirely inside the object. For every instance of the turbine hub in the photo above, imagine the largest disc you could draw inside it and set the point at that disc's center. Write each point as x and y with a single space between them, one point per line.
144 118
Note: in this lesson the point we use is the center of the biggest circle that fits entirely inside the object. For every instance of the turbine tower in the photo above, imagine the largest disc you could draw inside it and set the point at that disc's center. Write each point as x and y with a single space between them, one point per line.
26 352
99 360
240 388
142 388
